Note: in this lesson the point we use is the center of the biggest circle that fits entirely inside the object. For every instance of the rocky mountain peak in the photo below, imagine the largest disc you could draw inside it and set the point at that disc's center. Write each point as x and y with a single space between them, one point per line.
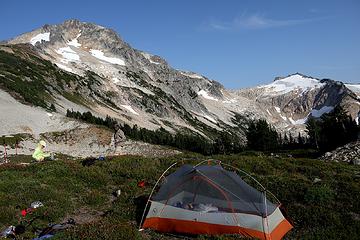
293 76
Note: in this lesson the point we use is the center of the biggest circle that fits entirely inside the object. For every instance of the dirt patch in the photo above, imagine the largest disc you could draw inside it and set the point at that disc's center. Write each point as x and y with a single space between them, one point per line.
85 215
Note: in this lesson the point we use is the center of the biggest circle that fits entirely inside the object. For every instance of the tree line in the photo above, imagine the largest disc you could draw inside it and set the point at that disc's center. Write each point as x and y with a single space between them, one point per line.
332 130
326 133
224 142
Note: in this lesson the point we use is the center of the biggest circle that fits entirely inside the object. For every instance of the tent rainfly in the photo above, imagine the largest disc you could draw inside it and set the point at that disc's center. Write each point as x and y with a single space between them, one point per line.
207 199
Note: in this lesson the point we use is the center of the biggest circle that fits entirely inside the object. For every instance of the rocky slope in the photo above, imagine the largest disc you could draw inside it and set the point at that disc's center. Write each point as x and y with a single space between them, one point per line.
83 66
349 153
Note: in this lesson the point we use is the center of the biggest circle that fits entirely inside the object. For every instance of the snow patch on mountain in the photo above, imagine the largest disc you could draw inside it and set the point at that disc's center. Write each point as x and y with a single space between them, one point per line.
100 55
230 101
206 95
40 37
115 80
191 75
148 57
318 113
210 119
299 121
66 68
277 109
68 54
75 42
130 109
295 82
354 87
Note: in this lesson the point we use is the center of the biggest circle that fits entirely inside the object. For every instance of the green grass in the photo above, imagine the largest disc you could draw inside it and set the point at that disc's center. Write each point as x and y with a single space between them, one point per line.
323 210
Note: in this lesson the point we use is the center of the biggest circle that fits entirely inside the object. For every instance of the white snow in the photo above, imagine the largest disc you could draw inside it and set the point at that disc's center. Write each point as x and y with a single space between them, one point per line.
191 75
100 55
277 109
284 118
130 109
230 101
206 95
68 54
299 121
210 118
115 80
325 109
75 42
148 57
66 68
49 114
292 83
354 87
267 110
40 37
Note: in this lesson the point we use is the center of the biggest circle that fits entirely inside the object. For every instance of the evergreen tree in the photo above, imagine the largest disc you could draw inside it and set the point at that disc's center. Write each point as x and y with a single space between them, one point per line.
332 130
261 136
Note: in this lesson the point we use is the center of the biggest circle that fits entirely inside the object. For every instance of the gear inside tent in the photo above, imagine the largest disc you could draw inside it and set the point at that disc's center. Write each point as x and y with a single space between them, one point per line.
208 199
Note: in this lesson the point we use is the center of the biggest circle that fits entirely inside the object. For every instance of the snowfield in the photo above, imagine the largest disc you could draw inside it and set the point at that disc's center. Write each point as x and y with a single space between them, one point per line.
66 68
68 54
206 95
100 55
354 87
130 109
75 42
325 109
192 75
40 37
148 57
292 83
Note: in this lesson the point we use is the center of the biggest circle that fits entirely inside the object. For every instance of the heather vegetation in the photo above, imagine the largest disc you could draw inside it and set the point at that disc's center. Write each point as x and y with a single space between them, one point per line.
327 208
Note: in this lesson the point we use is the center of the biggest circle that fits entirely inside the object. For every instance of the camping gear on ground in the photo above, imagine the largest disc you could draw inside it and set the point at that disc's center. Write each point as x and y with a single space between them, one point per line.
117 193
141 184
8 232
52 229
208 199
91 160
36 204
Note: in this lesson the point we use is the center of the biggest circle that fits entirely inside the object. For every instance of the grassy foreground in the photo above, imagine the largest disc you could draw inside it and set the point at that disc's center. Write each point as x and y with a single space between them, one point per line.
328 209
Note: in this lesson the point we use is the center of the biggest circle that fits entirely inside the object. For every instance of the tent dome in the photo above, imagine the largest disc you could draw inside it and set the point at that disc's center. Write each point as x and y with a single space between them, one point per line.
207 199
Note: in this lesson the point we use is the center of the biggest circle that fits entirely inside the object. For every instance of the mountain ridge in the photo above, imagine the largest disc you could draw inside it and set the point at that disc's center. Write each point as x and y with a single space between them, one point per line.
140 88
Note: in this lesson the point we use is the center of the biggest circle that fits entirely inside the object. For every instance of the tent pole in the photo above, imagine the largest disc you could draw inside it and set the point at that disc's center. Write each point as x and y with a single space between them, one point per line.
266 216
152 191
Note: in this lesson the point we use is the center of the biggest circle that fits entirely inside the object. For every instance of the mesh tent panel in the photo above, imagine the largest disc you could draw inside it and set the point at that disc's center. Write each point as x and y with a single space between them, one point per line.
212 185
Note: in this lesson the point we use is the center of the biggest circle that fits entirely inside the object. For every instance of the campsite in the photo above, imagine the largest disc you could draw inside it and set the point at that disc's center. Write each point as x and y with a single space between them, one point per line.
180 120
84 193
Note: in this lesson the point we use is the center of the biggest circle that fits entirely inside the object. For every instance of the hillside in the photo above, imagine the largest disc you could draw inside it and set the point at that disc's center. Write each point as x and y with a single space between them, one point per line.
321 198
87 67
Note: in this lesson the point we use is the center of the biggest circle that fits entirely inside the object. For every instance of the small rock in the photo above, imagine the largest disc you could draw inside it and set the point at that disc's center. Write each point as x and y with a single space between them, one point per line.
316 180
117 193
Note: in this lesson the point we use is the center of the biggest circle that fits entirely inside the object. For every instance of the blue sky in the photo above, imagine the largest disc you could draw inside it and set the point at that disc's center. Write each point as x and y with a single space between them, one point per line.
238 43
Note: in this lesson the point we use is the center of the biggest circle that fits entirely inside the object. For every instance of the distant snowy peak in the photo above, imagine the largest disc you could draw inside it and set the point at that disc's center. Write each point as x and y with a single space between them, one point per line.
354 87
40 37
295 82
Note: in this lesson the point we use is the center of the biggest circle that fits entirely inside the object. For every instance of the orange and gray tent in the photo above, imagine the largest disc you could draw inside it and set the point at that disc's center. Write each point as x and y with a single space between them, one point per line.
207 199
